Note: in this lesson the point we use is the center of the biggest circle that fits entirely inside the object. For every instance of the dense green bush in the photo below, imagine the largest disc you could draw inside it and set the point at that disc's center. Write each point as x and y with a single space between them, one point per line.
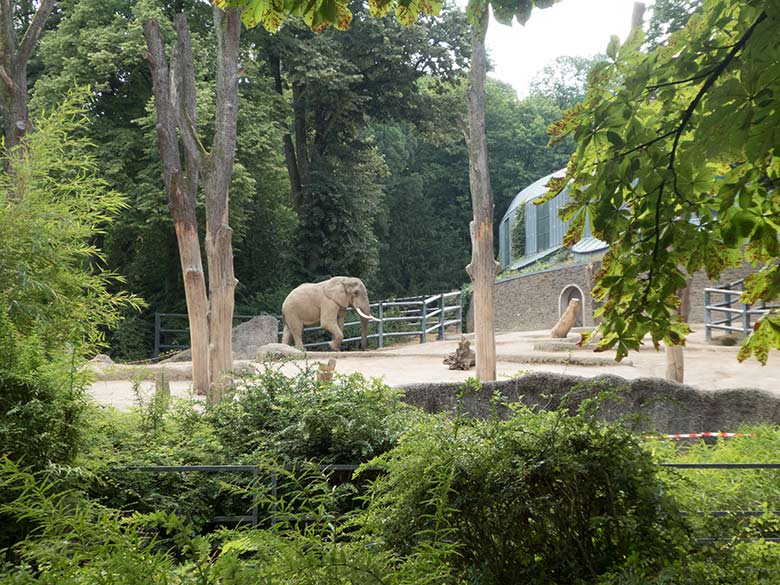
80 542
268 419
348 419
541 498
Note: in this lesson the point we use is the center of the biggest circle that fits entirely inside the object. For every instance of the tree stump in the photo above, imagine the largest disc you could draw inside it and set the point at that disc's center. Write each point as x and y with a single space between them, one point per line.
567 320
462 358
325 371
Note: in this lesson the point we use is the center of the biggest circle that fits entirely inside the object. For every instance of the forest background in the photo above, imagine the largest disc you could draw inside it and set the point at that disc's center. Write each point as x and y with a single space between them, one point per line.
351 151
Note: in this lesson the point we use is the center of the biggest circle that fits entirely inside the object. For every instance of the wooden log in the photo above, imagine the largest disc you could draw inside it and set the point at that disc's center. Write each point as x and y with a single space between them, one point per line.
463 358
567 320
325 371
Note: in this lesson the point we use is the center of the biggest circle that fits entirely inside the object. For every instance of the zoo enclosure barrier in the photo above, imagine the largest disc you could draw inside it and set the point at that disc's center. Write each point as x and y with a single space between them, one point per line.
724 299
273 477
404 317
254 470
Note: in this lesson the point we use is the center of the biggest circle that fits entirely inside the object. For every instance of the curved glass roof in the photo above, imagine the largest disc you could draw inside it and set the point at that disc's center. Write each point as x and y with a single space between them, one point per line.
534 190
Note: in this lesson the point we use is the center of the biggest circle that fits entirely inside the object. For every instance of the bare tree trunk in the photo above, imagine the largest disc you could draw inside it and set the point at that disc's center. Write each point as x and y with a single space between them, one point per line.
675 357
14 58
482 269
181 188
289 150
219 235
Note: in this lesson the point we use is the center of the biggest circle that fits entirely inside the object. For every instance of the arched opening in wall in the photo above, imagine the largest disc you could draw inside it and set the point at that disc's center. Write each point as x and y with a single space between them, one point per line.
569 292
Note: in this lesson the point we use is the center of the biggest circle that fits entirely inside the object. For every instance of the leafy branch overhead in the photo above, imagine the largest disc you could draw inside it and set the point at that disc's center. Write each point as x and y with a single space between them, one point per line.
319 14
677 162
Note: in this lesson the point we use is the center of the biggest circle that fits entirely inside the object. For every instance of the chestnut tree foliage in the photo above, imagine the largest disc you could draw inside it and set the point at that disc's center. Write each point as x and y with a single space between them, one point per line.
677 167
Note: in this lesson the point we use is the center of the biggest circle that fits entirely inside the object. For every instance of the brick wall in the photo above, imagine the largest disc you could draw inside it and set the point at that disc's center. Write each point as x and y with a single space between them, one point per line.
533 301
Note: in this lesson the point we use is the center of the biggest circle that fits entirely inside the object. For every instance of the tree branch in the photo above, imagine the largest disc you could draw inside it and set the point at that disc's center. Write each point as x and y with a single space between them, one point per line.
7 32
678 132
9 83
228 28
33 32
166 116
184 101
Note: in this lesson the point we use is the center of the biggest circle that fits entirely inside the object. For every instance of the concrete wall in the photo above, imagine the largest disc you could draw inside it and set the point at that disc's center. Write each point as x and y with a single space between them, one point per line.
533 301
651 404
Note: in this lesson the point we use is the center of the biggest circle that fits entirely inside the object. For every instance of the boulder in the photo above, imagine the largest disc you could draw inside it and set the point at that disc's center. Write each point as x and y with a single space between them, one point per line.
278 351
248 338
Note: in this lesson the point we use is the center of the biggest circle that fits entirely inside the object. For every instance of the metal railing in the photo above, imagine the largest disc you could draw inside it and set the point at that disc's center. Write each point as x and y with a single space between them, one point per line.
723 300
164 336
729 513
273 479
404 317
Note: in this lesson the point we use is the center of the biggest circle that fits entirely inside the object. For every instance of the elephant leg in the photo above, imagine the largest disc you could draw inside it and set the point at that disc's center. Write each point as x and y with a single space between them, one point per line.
331 325
293 328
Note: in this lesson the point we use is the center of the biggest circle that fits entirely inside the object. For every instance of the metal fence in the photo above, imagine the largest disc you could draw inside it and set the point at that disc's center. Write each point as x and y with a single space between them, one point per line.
729 513
273 480
167 334
254 518
722 309
405 317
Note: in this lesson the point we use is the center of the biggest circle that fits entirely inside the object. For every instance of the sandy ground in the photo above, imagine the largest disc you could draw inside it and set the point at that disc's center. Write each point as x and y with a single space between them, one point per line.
707 367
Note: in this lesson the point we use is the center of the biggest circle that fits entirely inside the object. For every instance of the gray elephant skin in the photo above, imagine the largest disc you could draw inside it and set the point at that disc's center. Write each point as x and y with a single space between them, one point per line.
326 303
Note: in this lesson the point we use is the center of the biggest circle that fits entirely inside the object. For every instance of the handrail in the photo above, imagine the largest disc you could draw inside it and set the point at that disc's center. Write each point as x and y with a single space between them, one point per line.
417 311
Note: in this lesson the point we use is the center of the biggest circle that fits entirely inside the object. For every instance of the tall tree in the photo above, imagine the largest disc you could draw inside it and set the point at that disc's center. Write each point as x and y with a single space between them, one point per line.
483 267
210 313
678 163
565 80
15 54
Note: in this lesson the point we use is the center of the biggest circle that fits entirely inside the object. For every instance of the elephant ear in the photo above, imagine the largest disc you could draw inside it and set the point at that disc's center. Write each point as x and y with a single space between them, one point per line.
336 291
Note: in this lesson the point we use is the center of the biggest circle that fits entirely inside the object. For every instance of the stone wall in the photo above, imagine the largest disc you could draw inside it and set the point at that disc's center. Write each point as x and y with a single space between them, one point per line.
647 404
533 301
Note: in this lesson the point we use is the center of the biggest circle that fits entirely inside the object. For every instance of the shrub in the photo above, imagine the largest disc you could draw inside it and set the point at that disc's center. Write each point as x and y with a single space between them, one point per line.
540 498
348 419
80 542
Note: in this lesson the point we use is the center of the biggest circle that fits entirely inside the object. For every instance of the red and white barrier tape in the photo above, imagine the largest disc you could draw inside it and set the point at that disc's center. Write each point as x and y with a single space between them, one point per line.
699 435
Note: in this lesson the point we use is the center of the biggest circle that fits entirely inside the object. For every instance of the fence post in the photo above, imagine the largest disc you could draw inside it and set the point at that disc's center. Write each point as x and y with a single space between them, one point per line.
441 317
156 335
380 327
255 475
707 317
746 320
460 312
423 320
274 493
729 316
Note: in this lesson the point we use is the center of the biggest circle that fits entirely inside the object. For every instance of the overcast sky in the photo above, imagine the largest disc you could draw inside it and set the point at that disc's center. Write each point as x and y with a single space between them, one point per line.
571 27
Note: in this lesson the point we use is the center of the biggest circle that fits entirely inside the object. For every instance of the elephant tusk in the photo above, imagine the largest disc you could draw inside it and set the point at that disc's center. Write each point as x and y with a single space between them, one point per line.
362 314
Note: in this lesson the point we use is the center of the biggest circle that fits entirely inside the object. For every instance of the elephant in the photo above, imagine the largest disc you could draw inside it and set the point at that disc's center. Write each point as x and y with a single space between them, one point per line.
326 303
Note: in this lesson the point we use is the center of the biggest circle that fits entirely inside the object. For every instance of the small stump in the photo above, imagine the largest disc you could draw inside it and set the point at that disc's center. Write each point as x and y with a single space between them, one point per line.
462 358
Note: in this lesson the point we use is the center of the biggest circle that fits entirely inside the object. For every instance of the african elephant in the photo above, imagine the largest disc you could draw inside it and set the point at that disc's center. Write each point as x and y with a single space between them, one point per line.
326 303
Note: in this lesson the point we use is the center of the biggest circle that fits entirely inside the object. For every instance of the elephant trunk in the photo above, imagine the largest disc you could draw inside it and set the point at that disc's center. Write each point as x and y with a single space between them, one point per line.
363 333
363 309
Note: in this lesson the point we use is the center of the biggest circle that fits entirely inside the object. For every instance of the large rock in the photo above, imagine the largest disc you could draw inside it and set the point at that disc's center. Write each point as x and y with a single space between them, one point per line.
644 403
247 339
276 351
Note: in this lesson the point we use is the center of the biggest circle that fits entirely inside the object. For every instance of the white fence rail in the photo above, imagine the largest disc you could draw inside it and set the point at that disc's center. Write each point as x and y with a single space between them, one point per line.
724 312
406 317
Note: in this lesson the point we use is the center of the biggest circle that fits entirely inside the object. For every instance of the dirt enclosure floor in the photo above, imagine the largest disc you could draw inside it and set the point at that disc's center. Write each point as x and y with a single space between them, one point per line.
707 367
